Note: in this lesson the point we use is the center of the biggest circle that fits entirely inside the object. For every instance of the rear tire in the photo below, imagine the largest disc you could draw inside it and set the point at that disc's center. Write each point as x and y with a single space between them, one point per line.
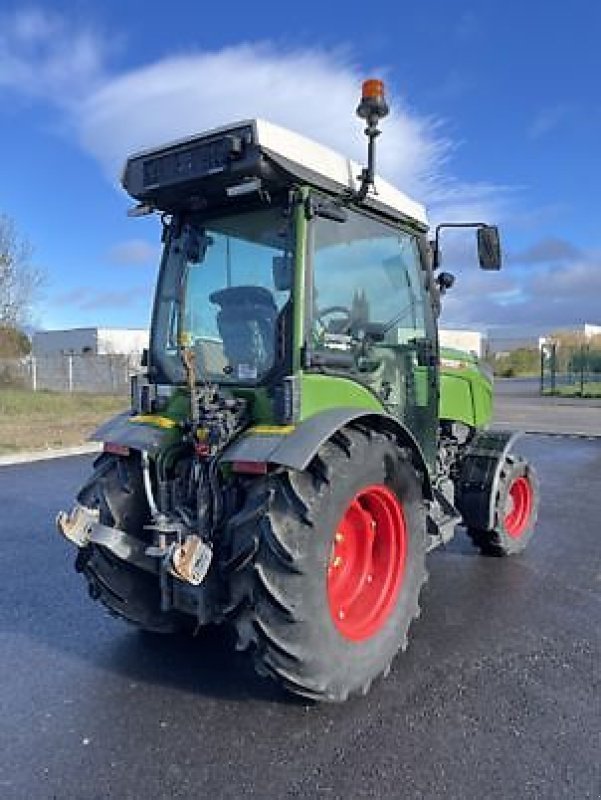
515 510
324 603
116 490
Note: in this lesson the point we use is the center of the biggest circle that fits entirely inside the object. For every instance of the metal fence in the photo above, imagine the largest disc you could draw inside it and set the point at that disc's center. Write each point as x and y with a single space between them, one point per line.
570 369
98 374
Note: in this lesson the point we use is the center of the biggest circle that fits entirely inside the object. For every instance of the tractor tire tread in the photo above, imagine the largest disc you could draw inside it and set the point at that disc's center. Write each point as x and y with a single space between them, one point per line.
496 542
125 591
270 619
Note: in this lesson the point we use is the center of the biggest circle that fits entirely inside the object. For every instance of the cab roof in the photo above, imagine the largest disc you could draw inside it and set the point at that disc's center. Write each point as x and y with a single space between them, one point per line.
251 148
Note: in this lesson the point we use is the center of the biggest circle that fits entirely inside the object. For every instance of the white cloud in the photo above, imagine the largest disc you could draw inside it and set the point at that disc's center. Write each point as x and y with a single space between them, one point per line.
88 298
31 25
535 298
312 91
547 120
42 55
134 252
551 250
110 113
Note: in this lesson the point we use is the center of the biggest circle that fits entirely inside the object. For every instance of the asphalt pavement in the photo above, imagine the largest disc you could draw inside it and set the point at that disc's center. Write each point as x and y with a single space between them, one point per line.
498 696
519 406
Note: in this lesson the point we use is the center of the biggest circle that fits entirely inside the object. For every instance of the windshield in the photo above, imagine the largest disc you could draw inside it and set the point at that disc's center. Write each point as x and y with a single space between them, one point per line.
225 292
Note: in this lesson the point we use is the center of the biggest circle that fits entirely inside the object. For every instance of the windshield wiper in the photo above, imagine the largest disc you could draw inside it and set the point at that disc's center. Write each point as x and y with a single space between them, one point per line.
395 320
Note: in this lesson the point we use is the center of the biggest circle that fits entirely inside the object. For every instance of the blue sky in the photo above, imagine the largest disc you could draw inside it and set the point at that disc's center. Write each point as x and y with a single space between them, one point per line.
497 115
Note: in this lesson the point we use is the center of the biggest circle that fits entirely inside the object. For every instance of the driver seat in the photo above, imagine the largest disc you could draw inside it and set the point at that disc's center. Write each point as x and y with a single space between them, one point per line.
246 322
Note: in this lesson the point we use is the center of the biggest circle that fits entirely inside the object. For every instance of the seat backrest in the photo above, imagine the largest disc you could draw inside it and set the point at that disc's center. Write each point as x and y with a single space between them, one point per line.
246 322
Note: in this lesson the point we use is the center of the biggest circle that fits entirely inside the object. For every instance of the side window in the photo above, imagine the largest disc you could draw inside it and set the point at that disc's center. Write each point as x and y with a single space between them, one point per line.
365 272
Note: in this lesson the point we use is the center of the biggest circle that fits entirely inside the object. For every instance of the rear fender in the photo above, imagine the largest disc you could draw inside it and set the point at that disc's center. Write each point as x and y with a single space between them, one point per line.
295 447
139 432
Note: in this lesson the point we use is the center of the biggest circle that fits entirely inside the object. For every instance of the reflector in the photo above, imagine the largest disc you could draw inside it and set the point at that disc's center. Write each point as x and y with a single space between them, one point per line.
250 467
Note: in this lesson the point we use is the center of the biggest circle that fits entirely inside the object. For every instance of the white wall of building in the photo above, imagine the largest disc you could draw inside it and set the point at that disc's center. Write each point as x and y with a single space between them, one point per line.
592 330
470 341
95 341
121 340
74 340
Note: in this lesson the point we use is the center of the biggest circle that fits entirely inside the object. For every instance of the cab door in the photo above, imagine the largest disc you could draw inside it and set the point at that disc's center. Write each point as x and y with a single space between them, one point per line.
369 300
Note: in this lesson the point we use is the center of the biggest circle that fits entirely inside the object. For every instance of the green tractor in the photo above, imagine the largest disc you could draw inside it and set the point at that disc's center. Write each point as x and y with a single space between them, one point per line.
297 443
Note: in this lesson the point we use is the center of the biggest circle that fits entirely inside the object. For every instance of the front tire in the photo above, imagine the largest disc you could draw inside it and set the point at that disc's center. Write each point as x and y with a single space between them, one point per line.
327 599
515 510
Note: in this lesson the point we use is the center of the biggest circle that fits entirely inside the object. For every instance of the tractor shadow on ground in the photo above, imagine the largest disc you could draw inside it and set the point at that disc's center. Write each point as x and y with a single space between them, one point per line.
80 634
77 634
209 665
206 664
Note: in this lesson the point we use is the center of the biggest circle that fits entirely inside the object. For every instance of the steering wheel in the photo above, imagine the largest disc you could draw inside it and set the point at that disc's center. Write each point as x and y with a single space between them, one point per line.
335 325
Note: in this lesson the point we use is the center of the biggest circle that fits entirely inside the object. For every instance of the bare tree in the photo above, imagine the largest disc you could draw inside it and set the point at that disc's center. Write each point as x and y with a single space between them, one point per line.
20 281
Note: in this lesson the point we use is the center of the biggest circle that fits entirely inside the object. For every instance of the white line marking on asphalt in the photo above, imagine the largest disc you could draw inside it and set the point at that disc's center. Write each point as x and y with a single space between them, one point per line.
45 455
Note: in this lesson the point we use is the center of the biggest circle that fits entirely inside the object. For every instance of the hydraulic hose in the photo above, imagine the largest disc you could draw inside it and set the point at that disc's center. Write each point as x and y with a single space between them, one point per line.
154 511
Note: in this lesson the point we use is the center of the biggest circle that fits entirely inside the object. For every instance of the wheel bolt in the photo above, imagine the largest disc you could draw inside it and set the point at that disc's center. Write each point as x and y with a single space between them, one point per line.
341 614
338 562
339 538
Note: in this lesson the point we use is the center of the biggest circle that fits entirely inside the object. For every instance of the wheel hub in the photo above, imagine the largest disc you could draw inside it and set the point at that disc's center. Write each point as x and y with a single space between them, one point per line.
520 501
367 562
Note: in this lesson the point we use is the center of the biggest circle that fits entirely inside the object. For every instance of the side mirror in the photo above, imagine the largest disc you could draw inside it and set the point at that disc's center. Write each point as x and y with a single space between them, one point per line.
489 247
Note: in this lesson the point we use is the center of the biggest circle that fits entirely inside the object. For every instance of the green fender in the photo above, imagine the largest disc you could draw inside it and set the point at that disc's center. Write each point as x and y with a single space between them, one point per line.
149 432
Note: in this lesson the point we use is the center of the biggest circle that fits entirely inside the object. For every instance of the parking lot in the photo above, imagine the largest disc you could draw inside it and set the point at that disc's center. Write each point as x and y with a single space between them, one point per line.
497 697
519 406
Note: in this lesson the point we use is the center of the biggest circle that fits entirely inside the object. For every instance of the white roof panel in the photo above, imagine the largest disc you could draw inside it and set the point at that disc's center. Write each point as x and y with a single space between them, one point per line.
323 160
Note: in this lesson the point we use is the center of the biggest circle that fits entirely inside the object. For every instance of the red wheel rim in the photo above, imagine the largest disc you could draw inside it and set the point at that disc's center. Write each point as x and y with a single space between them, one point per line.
520 500
367 562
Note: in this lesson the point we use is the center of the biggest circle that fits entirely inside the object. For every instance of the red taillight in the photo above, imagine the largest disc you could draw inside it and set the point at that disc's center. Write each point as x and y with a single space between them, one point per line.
116 449
250 467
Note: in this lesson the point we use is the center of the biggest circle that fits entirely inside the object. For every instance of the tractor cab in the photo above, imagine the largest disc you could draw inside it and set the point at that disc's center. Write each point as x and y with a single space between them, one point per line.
291 277
285 285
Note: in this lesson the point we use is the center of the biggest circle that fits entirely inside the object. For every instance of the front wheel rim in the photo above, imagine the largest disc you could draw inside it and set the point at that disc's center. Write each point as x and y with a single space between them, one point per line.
367 562
520 502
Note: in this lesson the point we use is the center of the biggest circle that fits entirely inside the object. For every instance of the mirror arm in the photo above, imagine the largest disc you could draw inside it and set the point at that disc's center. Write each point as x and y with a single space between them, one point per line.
440 227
